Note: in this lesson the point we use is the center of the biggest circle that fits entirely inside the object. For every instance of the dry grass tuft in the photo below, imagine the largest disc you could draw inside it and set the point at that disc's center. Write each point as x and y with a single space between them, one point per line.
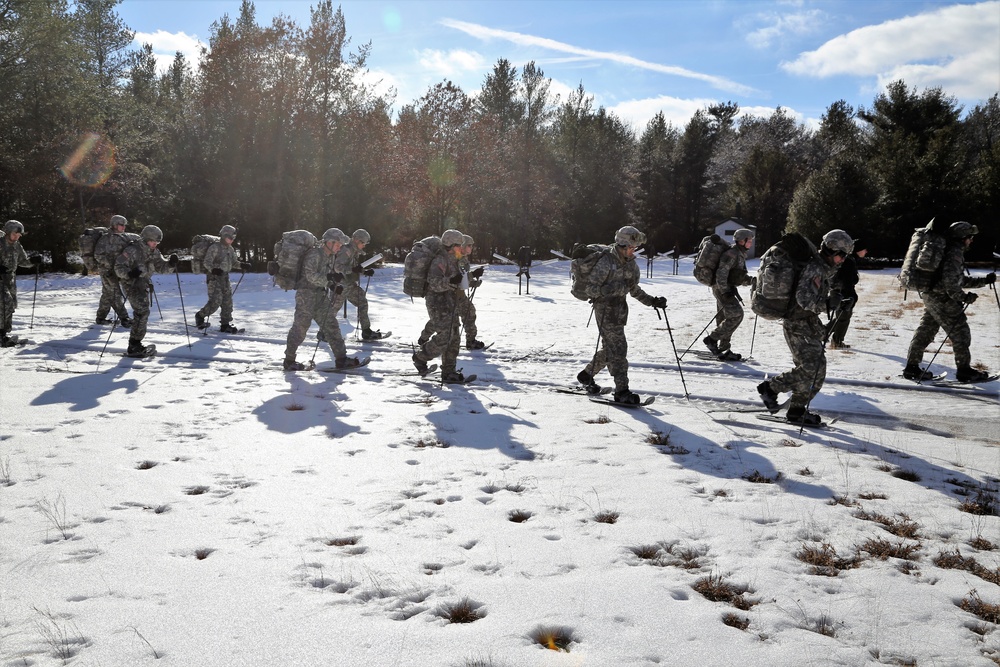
146 465
843 500
603 419
757 478
717 589
824 560
347 541
983 503
873 496
195 490
806 472
884 549
607 516
953 560
202 554
519 516
294 407
463 611
900 526
646 551
736 621
906 475
984 610
554 638
981 543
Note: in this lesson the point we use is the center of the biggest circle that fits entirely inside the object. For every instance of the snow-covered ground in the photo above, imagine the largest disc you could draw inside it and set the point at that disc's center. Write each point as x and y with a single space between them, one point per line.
205 508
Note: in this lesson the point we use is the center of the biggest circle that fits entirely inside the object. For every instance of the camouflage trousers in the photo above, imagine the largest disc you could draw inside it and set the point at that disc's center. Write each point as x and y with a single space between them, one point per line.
804 338
313 305
842 324
111 296
942 312
219 294
8 302
443 341
137 291
728 319
357 297
613 352
466 314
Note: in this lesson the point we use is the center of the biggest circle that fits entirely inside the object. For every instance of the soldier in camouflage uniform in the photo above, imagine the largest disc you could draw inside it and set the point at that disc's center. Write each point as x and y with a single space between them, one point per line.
135 267
315 303
466 309
805 334
615 275
348 263
445 280
730 274
845 282
944 308
106 252
220 259
12 256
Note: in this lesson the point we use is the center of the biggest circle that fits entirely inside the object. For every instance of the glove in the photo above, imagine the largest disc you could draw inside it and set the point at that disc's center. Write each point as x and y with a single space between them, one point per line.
456 279
991 278
36 259
660 302
970 297
478 273
358 269
173 260
3 269
216 272
135 273
338 289
245 266
369 272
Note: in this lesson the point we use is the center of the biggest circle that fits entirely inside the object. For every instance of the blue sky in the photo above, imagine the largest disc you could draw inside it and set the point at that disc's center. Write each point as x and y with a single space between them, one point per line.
637 58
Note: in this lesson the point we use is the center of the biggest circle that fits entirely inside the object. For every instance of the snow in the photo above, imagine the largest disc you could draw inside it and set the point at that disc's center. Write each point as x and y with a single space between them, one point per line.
337 514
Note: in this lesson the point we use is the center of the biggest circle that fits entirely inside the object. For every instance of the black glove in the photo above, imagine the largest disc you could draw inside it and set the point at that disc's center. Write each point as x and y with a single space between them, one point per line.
3 269
358 269
369 272
36 259
135 272
970 297
660 302
456 279
334 277
478 273
173 260
216 272
991 278
245 266
338 289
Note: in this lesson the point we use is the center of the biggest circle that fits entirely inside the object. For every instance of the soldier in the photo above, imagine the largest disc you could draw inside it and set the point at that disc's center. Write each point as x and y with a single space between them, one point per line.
845 282
615 275
220 259
135 267
730 274
445 280
106 253
466 309
944 308
348 263
314 303
12 256
805 334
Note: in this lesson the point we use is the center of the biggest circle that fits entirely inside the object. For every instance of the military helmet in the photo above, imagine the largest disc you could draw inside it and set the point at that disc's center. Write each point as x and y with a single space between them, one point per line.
361 235
335 235
118 220
963 230
227 232
13 226
467 240
151 233
742 234
451 237
629 236
838 241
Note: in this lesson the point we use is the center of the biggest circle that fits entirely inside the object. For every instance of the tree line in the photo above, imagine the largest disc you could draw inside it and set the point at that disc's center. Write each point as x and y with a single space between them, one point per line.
276 128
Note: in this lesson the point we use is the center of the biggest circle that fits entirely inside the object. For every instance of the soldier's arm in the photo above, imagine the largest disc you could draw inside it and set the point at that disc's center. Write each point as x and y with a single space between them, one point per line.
213 258
722 271
952 278
437 275
810 294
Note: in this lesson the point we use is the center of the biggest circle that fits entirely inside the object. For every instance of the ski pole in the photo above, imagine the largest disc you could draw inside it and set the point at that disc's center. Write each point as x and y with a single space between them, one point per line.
152 290
238 282
698 337
31 324
753 336
114 323
679 370
946 337
331 308
597 346
183 312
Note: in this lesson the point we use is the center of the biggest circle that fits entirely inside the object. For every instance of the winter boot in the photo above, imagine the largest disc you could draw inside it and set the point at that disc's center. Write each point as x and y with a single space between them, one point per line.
768 396
199 320
839 345
799 415
587 380
348 362
228 328
7 341
136 348
627 397
419 364
729 355
712 346
102 320
368 334
970 374
453 377
914 372
473 344
422 341
291 365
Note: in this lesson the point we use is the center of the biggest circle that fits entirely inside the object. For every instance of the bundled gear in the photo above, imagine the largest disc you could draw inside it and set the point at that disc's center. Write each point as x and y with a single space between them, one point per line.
200 244
418 262
772 294
87 244
922 264
707 260
289 252
585 258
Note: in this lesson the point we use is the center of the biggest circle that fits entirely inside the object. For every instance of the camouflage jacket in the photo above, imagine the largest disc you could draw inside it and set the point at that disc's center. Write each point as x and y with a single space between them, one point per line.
443 268
347 258
952 275
466 266
813 289
316 265
732 269
139 255
220 256
611 279
12 255
108 247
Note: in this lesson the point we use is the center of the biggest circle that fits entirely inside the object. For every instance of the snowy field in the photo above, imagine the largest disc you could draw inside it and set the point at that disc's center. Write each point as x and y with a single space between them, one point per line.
205 508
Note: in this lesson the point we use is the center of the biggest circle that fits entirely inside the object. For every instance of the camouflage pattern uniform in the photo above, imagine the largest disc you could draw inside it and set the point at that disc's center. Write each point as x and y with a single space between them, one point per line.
12 255
464 307
611 279
347 258
138 255
106 252
844 283
944 308
313 304
222 256
805 335
442 309
731 273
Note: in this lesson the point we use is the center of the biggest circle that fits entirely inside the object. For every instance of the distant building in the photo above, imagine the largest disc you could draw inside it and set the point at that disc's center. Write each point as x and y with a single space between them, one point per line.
726 229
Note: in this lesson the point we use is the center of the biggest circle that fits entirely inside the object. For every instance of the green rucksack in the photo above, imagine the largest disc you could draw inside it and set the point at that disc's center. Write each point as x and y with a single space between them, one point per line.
585 258
772 295
199 246
417 264
707 261
923 257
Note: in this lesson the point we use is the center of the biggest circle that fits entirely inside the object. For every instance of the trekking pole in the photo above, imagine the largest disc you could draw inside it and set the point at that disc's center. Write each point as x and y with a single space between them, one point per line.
597 346
946 337
114 323
698 337
31 324
152 290
238 283
326 316
679 370
183 312
753 336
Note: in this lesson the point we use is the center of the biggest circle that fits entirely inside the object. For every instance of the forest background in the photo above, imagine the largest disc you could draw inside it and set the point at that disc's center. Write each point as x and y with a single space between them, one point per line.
276 129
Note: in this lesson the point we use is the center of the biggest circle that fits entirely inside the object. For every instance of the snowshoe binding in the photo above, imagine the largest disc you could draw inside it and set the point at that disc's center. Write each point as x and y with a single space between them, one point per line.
917 374
587 380
712 346
768 396
200 321
473 344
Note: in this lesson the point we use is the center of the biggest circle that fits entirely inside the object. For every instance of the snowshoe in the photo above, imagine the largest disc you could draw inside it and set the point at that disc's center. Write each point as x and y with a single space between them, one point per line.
473 344
768 396
834 345
229 328
969 374
453 377
199 321
292 365
729 355
626 397
137 350
420 365
587 380
8 341
914 372
368 334
348 362
803 416
102 321
712 346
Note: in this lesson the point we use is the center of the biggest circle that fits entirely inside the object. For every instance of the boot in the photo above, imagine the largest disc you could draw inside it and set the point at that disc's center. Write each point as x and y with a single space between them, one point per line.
453 377
729 355
799 415
913 371
102 320
7 341
228 328
712 346
348 362
368 334
473 344
135 348
627 397
768 396
419 364
587 380
970 374
199 320
291 365
839 345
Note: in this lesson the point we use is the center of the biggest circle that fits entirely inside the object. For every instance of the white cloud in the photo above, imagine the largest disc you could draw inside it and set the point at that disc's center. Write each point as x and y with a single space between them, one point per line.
956 48
676 110
167 44
484 33
450 63
801 23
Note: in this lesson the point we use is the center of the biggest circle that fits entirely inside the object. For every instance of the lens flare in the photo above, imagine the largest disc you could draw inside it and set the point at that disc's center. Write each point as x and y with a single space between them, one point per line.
91 163
392 20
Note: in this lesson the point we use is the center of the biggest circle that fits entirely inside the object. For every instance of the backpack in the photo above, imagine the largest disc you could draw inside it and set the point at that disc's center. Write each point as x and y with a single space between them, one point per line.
709 252
585 258
109 246
923 258
417 264
88 242
773 293
199 246
289 252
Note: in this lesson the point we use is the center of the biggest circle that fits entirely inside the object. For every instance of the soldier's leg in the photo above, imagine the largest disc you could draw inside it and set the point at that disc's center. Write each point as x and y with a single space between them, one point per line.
225 299
600 360
443 320
301 320
106 300
326 317
842 324
923 336
616 348
357 297
214 296
8 302
449 356
118 297
138 296
732 317
951 315
467 311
